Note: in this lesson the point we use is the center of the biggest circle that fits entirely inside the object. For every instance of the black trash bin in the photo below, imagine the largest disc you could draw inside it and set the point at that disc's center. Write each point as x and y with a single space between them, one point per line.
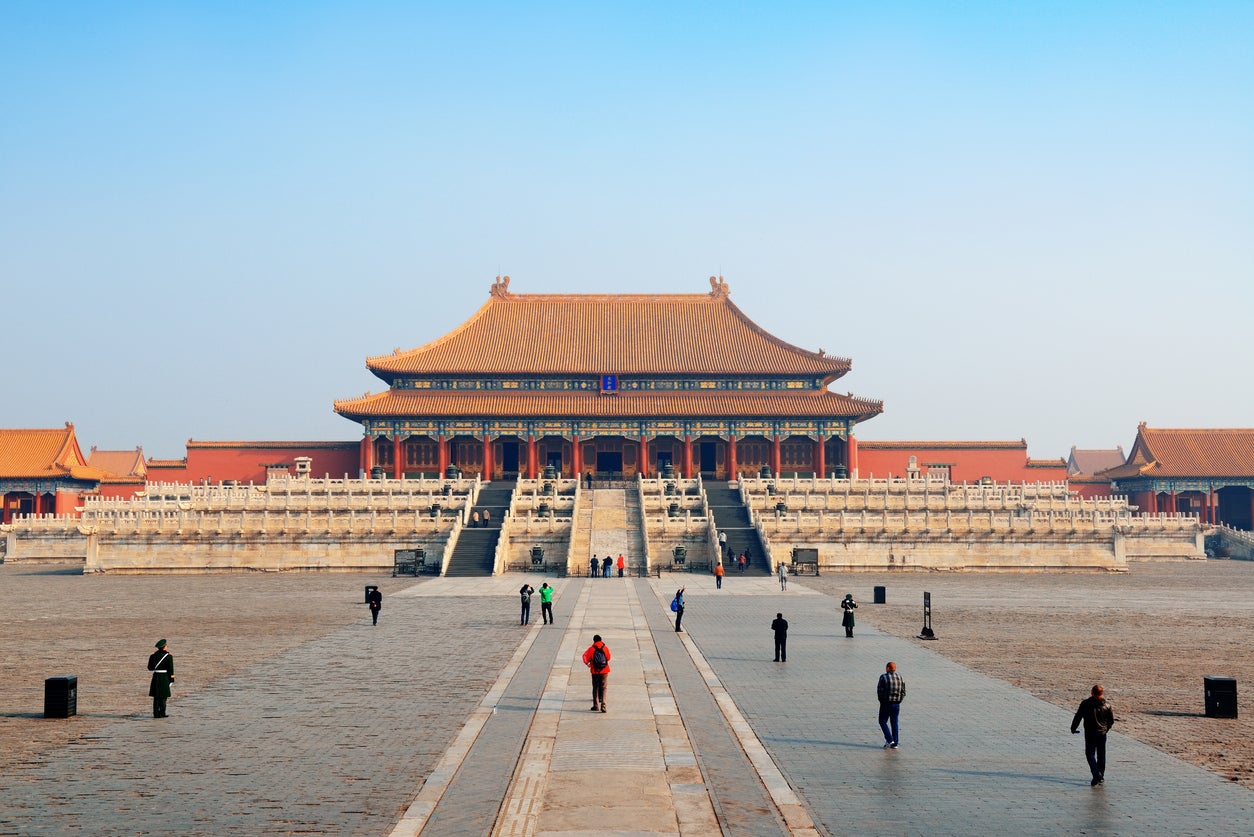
881 595
370 588
1221 697
60 697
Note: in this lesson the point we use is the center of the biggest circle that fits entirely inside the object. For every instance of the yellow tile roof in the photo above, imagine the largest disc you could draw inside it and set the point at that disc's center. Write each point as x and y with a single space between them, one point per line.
453 404
44 453
624 334
122 463
1164 453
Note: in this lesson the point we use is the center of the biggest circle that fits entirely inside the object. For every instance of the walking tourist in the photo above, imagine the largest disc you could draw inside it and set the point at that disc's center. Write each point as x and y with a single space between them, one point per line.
474 520
487 517
622 564
718 575
546 603
741 562
891 690
848 605
525 591
606 564
594 567
597 659
783 576
161 664
677 605
1098 717
375 599
780 627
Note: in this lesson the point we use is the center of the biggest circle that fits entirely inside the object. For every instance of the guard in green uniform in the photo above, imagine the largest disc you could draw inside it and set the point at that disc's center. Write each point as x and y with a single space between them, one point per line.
848 605
161 664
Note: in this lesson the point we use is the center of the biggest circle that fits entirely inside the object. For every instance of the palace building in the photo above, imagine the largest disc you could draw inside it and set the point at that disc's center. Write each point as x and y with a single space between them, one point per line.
1207 472
612 385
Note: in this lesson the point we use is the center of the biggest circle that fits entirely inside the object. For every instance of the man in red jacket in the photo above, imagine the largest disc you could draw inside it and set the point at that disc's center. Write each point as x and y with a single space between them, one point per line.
597 659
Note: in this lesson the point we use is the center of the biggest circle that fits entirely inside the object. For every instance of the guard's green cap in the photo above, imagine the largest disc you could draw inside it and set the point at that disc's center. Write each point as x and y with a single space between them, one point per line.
161 643
849 595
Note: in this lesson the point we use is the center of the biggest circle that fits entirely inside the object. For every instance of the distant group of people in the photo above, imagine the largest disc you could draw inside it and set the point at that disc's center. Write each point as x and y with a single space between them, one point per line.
476 521
604 566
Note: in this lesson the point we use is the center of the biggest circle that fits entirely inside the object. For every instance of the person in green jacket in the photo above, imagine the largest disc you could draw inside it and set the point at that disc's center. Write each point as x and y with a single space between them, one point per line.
546 603
847 605
161 664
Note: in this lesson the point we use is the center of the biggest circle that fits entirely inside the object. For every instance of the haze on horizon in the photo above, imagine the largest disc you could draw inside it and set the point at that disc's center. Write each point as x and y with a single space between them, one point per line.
1030 221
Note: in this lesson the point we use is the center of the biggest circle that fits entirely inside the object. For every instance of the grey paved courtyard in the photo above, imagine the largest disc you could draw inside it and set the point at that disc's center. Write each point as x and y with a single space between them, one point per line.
303 718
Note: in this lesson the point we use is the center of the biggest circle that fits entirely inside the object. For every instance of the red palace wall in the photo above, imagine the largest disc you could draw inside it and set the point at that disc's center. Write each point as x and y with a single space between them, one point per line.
1090 487
247 461
967 461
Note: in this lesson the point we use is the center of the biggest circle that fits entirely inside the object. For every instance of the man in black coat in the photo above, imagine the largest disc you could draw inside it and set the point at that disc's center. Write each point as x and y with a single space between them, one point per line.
375 599
780 627
161 664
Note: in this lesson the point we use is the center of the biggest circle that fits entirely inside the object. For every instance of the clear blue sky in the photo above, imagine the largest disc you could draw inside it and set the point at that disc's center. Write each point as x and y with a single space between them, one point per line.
1019 220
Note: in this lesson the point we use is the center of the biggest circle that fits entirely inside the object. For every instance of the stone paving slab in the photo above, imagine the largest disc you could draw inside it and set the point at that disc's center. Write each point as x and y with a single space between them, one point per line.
340 733
331 737
975 751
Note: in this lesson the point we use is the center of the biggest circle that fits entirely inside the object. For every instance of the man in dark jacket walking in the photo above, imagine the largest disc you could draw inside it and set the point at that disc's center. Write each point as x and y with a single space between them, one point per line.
375 599
1098 717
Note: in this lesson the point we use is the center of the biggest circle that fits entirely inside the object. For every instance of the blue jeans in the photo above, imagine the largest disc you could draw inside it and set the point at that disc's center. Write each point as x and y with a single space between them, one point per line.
1095 754
888 716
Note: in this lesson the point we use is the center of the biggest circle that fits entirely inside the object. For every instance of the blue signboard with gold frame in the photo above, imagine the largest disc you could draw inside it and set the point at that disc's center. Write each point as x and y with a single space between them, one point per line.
609 384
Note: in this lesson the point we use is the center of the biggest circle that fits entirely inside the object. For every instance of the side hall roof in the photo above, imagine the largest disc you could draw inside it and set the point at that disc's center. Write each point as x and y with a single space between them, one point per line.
623 334
1163 453
44 453
436 404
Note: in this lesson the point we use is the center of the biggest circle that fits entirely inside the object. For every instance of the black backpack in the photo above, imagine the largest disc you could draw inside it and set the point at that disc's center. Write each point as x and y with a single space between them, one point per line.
599 660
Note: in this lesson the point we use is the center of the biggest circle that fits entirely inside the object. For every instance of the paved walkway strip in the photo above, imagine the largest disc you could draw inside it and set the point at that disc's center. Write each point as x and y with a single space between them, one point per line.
630 770
790 808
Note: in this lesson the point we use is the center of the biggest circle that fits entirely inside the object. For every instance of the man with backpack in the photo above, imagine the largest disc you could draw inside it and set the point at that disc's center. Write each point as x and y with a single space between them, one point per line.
597 659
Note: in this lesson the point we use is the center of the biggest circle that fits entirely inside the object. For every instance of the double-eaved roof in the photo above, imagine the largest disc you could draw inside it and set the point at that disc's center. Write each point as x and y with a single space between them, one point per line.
633 336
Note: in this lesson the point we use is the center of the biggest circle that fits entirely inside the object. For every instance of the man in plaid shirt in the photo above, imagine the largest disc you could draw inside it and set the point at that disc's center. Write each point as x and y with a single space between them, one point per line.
891 691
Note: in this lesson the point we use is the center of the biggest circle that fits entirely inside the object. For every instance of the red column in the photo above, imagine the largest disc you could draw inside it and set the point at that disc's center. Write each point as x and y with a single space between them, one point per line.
576 465
442 444
1212 513
851 456
1150 506
776 458
731 456
644 455
1171 503
820 457
531 457
687 457
367 454
487 457
398 460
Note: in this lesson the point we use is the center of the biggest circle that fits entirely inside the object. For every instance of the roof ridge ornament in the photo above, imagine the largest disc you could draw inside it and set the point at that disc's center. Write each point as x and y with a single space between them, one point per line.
500 288
718 287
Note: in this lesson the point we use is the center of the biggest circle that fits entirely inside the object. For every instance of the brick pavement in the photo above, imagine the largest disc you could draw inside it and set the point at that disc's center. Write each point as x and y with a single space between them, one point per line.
975 751
331 737
341 732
